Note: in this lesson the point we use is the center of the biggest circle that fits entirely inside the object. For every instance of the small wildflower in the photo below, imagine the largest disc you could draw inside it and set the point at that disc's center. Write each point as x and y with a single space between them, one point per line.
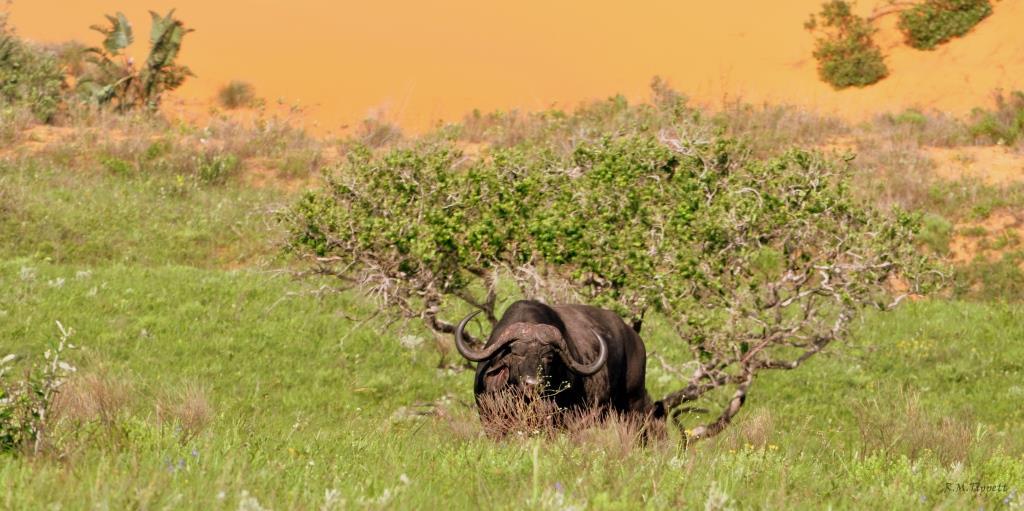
410 342
27 274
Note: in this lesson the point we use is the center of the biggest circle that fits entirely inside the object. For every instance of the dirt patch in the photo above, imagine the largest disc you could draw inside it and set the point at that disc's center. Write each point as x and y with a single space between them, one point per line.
839 145
993 165
36 139
991 238
263 173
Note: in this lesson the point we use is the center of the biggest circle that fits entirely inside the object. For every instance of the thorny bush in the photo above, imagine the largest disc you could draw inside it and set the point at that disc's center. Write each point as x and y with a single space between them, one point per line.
757 264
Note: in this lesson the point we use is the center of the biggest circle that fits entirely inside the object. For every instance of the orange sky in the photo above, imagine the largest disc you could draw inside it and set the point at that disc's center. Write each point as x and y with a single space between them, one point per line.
423 61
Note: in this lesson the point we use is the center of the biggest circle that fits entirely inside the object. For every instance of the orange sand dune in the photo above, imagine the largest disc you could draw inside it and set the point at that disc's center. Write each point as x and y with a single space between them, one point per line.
418 62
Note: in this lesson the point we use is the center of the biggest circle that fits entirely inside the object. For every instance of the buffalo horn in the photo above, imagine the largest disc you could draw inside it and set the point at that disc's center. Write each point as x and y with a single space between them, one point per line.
586 370
473 355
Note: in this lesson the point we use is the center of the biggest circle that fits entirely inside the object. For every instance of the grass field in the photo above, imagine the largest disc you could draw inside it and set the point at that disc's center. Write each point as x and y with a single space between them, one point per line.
208 380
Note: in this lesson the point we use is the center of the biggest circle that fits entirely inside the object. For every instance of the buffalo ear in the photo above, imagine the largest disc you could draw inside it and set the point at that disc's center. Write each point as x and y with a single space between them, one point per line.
637 324
496 379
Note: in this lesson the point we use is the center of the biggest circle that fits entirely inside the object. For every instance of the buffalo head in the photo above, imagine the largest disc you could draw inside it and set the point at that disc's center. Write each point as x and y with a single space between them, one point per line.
527 356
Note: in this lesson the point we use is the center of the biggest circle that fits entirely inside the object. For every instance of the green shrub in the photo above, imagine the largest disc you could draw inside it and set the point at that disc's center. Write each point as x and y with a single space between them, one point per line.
237 94
738 253
846 53
30 77
26 403
116 165
216 168
934 22
1002 279
936 233
1004 124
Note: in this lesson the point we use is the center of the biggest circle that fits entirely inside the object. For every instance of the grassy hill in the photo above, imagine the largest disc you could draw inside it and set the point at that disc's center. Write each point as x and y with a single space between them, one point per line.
209 378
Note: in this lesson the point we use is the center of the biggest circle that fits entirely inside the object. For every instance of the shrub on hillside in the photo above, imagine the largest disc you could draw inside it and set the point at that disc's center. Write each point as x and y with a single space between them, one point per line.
237 94
934 22
757 264
846 53
1004 124
30 77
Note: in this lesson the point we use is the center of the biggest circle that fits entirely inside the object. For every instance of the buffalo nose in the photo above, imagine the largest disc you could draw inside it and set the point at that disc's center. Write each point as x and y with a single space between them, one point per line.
531 380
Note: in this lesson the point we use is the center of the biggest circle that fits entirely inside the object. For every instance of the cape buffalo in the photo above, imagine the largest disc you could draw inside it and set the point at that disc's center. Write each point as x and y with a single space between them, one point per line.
579 356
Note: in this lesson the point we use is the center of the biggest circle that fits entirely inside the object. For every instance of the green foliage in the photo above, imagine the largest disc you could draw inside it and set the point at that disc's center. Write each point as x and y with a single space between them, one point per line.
216 168
29 77
130 215
636 223
936 233
113 79
1004 124
1002 279
846 53
934 22
25 404
237 94
738 253
118 35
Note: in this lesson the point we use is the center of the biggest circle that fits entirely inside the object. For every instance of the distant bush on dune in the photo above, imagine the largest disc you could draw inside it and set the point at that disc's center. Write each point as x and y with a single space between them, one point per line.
934 22
237 94
846 53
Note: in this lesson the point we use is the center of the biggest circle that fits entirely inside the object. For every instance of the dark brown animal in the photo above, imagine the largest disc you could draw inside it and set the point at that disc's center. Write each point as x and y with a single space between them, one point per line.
579 356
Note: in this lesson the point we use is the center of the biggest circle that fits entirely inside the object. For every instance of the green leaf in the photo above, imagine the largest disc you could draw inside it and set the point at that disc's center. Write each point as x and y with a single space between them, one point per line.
118 36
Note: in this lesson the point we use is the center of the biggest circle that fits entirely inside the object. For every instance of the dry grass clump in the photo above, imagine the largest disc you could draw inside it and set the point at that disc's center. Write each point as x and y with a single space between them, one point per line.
893 171
523 414
619 434
925 128
769 129
516 412
754 431
93 397
188 409
13 124
376 133
497 129
902 426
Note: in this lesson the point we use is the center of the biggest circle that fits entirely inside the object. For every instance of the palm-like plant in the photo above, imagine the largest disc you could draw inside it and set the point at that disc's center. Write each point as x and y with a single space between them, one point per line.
113 77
